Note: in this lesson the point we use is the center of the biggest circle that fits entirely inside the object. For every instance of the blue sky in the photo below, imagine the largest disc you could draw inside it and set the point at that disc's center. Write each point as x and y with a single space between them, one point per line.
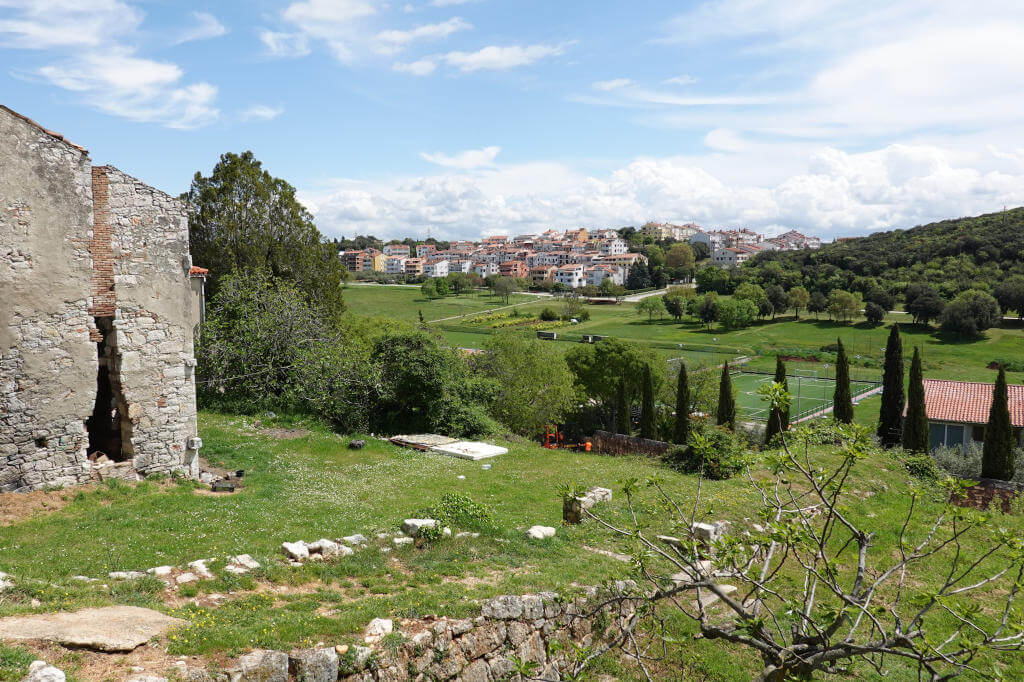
469 117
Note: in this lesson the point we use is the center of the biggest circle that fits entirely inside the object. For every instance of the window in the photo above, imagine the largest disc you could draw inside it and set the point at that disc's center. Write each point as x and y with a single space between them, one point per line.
954 435
936 435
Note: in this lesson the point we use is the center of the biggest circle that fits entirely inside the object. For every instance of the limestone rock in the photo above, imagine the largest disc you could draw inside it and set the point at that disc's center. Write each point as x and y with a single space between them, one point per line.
326 548
314 665
505 607
126 575
357 539
200 569
146 678
296 551
160 571
6 581
413 526
186 578
246 561
41 671
403 541
111 628
377 629
261 666
600 494
540 532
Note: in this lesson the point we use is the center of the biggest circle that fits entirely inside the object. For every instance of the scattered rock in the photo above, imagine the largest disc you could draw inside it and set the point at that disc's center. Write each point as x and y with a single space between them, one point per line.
540 532
356 444
466 534
324 547
160 571
6 581
146 678
413 526
461 477
126 575
707 597
505 607
243 561
186 578
199 568
296 551
41 671
314 665
403 541
377 629
357 539
111 628
261 666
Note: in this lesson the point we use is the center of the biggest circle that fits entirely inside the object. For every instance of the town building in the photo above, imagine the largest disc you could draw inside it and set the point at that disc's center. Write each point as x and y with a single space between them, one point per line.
958 411
97 319
413 267
397 250
395 265
438 268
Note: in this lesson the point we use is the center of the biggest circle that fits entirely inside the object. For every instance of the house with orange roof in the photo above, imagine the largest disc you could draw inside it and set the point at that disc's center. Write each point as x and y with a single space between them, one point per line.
957 411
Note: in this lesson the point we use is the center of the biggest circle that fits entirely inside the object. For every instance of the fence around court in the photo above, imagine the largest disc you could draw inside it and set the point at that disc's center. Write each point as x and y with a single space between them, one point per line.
804 389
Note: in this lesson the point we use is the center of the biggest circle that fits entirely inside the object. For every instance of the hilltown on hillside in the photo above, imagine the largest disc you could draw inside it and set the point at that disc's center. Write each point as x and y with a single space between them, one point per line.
573 258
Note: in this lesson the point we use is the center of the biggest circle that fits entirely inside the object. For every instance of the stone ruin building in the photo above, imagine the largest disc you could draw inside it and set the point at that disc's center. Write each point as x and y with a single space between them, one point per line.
99 304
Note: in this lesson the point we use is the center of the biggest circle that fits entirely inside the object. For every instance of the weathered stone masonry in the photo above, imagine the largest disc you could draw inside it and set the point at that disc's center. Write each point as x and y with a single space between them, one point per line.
96 317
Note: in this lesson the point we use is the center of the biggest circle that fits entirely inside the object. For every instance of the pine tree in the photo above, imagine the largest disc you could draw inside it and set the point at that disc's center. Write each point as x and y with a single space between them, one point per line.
682 431
778 417
726 401
890 418
647 421
622 415
997 455
842 401
915 426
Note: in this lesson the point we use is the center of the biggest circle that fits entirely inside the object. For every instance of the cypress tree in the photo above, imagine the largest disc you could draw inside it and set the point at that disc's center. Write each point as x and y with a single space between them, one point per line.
726 401
778 417
997 455
647 422
622 416
915 426
842 400
682 431
890 418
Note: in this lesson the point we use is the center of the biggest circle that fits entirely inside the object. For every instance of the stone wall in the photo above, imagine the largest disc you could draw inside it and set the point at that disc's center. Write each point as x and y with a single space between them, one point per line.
48 363
990 492
94 284
535 629
618 444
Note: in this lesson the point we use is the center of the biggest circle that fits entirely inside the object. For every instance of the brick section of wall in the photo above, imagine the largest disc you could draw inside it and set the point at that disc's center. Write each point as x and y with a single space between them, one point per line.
104 299
617 444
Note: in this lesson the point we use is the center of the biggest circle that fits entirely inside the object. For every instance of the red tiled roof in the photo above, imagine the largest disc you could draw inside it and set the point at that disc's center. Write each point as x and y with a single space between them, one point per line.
195 270
51 133
968 401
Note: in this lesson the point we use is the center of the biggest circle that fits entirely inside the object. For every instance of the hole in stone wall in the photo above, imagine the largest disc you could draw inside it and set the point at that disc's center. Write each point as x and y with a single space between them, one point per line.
40 442
105 425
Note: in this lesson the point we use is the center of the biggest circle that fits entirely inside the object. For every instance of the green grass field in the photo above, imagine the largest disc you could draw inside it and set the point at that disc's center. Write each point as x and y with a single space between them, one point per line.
810 393
406 303
313 486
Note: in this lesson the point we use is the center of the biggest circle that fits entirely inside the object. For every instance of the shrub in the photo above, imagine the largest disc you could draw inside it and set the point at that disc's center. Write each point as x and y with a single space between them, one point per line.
461 510
548 315
921 465
720 452
966 463
1010 365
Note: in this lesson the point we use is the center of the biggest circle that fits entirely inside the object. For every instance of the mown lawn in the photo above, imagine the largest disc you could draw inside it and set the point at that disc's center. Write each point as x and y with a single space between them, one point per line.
406 303
314 486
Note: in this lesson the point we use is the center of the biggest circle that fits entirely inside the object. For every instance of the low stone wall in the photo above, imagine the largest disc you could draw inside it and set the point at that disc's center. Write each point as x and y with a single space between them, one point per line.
989 490
617 444
531 628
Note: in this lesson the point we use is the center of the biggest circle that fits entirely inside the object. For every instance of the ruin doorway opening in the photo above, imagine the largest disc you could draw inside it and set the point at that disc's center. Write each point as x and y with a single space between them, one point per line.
108 427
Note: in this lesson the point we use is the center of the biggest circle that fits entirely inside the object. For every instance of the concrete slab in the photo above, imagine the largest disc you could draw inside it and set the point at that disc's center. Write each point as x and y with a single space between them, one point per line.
465 449
422 441
111 628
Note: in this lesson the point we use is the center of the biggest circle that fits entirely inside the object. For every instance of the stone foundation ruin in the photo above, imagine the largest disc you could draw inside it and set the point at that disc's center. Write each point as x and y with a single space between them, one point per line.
99 303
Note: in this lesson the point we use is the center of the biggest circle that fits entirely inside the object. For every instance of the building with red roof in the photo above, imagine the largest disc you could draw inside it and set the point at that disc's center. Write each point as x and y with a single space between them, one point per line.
958 411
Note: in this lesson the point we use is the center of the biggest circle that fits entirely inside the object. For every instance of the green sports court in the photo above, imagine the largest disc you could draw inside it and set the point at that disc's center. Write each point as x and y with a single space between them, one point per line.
811 393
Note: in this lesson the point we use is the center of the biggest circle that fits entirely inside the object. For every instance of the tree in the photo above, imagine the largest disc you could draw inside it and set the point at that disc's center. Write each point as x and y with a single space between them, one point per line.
675 305
599 366
707 309
681 434
736 313
572 306
651 306
1010 295
726 415
753 293
505 287
915 424
971 313
243 218
442 287
533 385
924 303
874 313
713 279
890 417
880 297
680 255
843 305
622 411
997 453
842 400
778 298
798 299
639 276
647 416
817 304
429 288
778 416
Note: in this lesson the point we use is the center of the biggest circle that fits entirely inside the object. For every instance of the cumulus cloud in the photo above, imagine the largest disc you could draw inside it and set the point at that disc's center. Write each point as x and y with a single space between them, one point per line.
835 193
205 27
685 79
393 41
614 84
261 112
46 24
283 44
499 58
469 159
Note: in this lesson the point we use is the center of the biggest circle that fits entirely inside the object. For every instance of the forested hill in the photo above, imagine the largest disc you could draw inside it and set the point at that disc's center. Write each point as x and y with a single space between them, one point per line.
951 255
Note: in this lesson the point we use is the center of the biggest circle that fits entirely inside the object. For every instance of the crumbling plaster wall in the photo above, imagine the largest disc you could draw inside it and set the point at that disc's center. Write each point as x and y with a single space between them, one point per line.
48 364
153 322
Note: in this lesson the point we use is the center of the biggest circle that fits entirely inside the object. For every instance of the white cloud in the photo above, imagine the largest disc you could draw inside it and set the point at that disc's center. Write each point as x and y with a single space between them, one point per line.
685 79
449 3
280 44
420 67
614 84
46 24
469 159
835 193
340 24
393 41
206 26
120 83
499 58
262 112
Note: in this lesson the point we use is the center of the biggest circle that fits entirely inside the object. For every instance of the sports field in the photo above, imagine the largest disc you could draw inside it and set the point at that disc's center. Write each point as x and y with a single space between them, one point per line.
811 393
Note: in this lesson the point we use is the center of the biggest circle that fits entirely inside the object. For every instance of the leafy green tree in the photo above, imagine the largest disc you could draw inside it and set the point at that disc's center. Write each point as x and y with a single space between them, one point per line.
533 385
751 292
798 299
890 418
429 288
713 279
817 304
243 218
623 418
778 416
681 433
842 400
675 305
655 256
736 313
707 309
778 299
505 287
651 306
598 367
915 424
726 415
971 313
1010 295
874 313
442 287
997 453
923 303
881 298
844 305
680 255
648 418
639 276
